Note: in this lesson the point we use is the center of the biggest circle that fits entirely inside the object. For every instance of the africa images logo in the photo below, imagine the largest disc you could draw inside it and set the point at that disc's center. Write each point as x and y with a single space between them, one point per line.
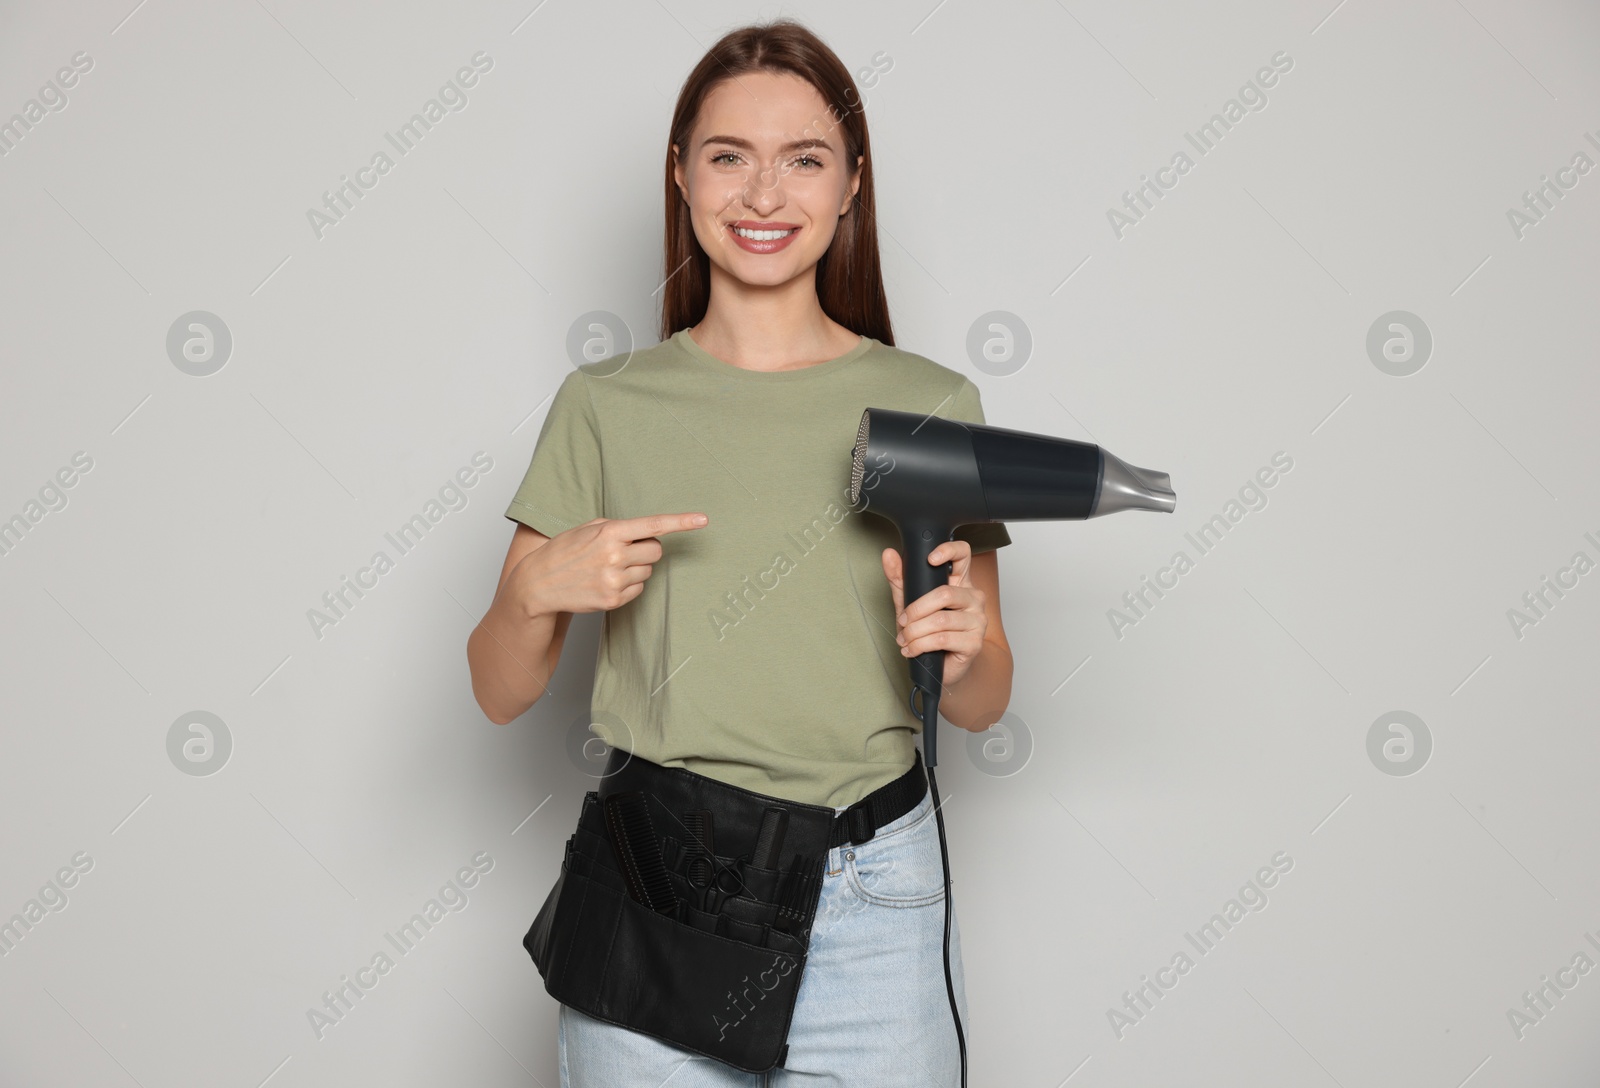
782 966
451 98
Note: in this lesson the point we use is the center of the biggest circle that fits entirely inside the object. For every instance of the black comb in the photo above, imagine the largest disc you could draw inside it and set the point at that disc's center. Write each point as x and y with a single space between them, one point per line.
701 849
769 841
798 889
633 837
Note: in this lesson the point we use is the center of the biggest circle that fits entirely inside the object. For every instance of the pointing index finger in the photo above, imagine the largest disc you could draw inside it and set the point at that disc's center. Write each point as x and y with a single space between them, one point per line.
658 525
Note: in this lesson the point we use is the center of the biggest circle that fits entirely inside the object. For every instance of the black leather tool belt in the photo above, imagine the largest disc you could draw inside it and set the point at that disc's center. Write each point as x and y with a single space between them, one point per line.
684 905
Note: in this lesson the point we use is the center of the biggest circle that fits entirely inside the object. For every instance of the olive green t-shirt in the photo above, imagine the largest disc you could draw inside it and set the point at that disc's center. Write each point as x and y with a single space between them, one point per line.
762 650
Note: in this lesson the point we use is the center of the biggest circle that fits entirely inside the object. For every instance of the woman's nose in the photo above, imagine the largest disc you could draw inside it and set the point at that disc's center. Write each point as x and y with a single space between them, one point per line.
764 189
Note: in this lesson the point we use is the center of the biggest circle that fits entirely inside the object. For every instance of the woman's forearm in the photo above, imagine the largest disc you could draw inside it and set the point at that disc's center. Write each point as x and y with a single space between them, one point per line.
509 655
976 701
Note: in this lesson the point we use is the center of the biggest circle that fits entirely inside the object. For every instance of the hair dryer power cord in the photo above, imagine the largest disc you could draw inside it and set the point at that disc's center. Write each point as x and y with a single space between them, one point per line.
930 720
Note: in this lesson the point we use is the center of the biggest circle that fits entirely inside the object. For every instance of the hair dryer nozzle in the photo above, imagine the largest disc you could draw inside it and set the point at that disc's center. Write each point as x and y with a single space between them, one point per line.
1124 487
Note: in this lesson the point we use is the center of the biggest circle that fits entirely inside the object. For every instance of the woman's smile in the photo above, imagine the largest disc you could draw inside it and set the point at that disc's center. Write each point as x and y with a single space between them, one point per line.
758 237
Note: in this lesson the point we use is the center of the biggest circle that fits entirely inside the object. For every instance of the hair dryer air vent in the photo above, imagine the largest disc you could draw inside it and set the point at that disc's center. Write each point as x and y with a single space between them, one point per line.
858 457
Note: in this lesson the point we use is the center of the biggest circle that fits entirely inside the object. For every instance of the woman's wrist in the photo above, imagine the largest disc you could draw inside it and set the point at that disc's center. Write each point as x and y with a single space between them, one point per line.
523 593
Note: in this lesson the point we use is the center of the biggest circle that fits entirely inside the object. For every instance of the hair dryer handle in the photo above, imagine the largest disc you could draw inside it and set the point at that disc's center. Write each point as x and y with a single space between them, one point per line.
918 539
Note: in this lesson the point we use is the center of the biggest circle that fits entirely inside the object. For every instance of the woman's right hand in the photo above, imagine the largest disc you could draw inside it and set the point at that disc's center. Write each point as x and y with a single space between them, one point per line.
594 567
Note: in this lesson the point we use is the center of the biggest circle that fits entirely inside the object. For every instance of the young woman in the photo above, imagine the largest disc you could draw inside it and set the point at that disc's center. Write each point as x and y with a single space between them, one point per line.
755 636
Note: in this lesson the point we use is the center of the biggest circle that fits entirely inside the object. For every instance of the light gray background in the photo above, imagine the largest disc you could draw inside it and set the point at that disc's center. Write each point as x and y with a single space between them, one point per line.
1229 724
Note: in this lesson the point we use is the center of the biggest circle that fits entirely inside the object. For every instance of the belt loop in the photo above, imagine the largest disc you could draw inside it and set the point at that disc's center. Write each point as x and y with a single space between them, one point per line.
858 819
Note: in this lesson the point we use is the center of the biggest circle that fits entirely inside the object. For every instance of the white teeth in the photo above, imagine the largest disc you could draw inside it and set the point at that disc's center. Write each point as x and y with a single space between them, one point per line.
762 235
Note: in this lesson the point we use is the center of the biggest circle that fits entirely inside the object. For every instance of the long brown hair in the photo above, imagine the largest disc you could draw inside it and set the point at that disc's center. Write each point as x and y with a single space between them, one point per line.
849 276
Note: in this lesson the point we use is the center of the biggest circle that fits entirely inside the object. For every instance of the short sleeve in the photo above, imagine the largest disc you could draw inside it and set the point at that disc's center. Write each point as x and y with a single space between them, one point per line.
562 487
984 536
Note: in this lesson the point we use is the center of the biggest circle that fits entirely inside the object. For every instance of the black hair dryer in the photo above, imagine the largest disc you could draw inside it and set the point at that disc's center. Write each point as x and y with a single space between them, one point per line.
933 475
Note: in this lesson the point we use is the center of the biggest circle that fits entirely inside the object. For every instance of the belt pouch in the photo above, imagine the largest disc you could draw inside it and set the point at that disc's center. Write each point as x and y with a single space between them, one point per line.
725 991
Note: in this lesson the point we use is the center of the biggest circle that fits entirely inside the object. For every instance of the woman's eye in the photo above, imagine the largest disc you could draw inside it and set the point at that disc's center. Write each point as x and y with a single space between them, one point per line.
724 155
809 158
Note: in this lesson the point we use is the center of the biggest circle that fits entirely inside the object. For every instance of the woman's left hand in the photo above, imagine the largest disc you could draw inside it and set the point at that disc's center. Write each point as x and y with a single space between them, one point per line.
951 618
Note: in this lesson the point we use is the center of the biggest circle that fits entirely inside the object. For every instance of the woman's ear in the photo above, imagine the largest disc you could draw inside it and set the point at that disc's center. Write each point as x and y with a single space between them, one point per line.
855 185
677 173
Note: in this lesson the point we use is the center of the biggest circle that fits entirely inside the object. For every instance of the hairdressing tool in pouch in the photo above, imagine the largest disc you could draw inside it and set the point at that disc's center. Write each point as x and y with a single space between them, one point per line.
931 475
769 841
700 867
633 837
797 891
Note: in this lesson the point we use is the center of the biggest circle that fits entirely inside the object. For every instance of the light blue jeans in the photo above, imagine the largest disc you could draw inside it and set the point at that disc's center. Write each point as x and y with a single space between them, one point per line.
872 1010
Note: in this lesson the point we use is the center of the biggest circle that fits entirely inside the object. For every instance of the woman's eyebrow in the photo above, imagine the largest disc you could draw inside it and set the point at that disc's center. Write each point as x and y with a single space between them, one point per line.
792 145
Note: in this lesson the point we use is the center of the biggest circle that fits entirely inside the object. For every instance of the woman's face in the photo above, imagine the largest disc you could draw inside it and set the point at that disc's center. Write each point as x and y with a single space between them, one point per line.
765 158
